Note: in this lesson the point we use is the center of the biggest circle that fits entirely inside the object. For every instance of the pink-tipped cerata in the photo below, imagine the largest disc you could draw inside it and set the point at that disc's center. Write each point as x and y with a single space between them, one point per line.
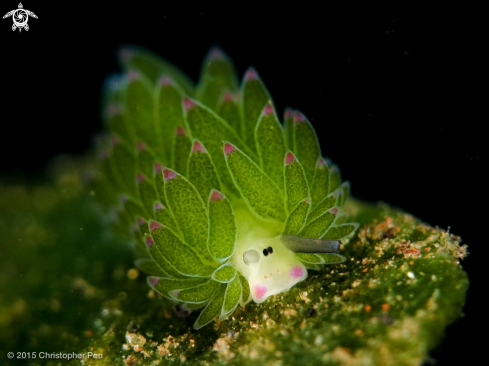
158 206
289 113
126 54
180 131
227 97
141 146
154 225
251 74
169 174
320 163
158 168
154 281
123 198
166 80
113 109
228 148
198 147
216 53
149 241
334 211
132 75
188 104
299 118
114 140
103 155
140 221
216 195
267 110
141 177
289 158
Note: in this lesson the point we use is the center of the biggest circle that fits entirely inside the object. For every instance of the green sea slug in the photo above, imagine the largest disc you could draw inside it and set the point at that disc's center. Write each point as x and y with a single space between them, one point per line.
226 203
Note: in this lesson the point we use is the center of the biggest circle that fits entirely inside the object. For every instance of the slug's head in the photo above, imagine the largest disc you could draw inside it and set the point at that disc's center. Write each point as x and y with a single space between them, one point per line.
271 266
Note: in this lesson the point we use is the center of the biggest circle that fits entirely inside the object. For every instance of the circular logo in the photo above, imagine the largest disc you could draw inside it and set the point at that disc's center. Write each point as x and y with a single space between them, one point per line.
20 17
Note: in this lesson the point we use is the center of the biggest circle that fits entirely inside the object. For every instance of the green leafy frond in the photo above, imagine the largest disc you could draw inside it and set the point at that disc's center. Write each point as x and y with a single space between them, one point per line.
270 143
261 194
202 171
180 255
218 76
213 308
232 296
222 227
168 116
296 187
255 95
297 218
153 66
165 285
225 273
189 210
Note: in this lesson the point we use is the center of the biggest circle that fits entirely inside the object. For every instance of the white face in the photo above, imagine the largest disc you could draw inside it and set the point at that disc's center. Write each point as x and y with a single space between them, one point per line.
269 267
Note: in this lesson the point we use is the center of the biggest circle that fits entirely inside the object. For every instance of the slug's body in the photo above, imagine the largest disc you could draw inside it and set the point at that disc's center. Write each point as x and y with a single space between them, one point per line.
263 260
226 204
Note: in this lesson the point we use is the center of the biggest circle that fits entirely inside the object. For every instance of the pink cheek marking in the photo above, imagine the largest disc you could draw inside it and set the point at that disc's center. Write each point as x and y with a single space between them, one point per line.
296 272
260 290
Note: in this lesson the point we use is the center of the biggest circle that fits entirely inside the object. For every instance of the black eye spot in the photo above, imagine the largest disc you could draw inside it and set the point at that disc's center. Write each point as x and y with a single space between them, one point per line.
265 252
270 250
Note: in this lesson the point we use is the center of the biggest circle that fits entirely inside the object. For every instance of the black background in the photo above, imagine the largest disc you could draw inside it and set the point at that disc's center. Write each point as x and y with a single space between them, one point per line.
394 92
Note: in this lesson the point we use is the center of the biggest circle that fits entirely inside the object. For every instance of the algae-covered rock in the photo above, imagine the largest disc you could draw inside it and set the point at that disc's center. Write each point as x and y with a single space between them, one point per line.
69 285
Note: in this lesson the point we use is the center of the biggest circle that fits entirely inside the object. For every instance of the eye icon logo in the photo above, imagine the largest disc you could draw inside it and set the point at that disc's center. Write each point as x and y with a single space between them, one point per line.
20 17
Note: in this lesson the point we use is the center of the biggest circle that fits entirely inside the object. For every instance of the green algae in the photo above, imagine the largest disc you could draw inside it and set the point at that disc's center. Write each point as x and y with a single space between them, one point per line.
68 284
